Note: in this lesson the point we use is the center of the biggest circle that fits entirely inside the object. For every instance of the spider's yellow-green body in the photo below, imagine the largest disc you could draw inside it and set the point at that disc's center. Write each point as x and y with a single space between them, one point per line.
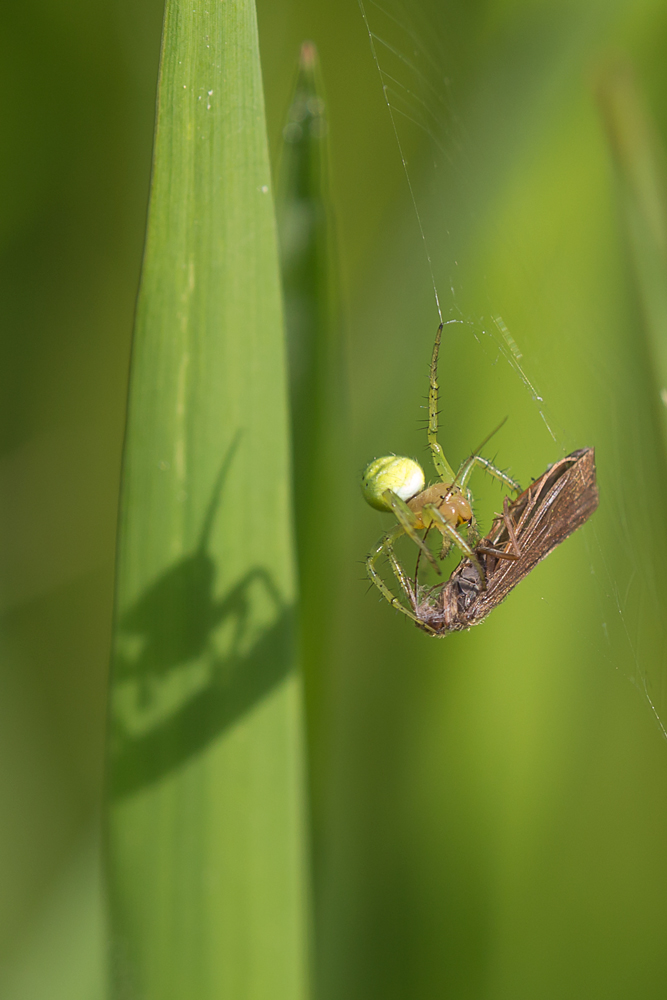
403 476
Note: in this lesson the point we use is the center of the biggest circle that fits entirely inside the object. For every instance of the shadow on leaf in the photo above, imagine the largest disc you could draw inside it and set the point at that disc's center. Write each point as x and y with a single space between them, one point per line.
166 638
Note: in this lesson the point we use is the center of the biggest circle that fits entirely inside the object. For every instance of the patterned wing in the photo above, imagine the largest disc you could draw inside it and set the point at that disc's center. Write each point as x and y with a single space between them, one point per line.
547 513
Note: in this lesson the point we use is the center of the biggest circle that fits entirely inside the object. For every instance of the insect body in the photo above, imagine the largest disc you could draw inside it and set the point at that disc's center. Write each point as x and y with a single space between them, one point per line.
538 520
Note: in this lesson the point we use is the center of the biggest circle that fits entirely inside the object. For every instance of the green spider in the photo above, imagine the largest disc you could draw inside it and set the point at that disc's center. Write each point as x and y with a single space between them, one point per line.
396 484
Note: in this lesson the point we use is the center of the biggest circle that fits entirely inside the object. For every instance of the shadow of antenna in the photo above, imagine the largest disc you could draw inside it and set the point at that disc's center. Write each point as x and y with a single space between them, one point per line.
218 489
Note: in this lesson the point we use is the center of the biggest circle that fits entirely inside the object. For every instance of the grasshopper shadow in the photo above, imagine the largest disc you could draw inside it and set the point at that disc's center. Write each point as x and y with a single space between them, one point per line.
167 633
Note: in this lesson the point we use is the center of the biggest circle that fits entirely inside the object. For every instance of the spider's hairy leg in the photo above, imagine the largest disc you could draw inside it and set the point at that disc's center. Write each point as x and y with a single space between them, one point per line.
399 573
446 547
474 534
466 470
411 595
446 528
386 546
409 524
442 466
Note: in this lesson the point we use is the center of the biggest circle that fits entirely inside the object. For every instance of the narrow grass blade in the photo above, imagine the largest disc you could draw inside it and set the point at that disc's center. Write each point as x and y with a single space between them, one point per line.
207 852
634 143
316 384
304 227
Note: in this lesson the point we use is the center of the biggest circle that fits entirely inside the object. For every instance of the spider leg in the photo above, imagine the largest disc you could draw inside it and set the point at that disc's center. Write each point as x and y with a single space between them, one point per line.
464 473
446 547
442 466
408 522
474 534
444 526
399 573
386 546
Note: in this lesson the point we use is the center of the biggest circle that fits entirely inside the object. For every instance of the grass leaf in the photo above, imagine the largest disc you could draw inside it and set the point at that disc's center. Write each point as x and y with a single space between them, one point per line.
206 822
634 143
318 403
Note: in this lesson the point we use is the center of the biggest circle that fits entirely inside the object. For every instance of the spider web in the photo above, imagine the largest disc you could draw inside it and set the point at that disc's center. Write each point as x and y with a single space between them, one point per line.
437 148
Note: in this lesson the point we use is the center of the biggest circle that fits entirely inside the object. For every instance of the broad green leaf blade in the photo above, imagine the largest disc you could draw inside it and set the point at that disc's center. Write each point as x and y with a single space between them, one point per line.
206 822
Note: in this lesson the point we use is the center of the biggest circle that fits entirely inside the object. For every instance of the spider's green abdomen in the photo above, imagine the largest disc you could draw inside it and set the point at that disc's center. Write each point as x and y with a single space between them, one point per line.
403 476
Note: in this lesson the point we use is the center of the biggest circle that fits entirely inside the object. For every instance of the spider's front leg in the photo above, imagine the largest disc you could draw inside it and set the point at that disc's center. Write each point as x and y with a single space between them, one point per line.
474 535
447 529
442 466
410 523
466 470
446 547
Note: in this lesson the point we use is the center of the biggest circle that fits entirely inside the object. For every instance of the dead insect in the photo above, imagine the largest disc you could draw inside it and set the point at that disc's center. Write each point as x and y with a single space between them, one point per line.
531 527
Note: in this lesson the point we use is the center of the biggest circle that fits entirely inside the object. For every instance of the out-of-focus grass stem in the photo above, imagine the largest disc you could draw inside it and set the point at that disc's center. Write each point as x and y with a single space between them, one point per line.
640 164
316 383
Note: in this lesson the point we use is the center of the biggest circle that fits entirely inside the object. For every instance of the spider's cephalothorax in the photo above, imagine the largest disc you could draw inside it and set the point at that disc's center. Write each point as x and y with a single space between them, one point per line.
396 484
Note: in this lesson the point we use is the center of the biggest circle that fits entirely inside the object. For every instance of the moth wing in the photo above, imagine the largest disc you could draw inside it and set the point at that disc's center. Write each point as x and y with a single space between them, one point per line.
547 513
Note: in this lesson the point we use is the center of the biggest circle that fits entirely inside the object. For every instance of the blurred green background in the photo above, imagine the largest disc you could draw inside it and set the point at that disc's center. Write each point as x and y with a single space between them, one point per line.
492 808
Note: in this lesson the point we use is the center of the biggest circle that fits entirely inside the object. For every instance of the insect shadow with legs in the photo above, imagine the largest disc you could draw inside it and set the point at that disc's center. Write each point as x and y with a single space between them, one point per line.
530 527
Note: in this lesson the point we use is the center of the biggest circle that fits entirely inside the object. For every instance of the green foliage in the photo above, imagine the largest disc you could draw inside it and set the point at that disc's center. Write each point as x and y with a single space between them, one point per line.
490 808
206 842
642 188
319 410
